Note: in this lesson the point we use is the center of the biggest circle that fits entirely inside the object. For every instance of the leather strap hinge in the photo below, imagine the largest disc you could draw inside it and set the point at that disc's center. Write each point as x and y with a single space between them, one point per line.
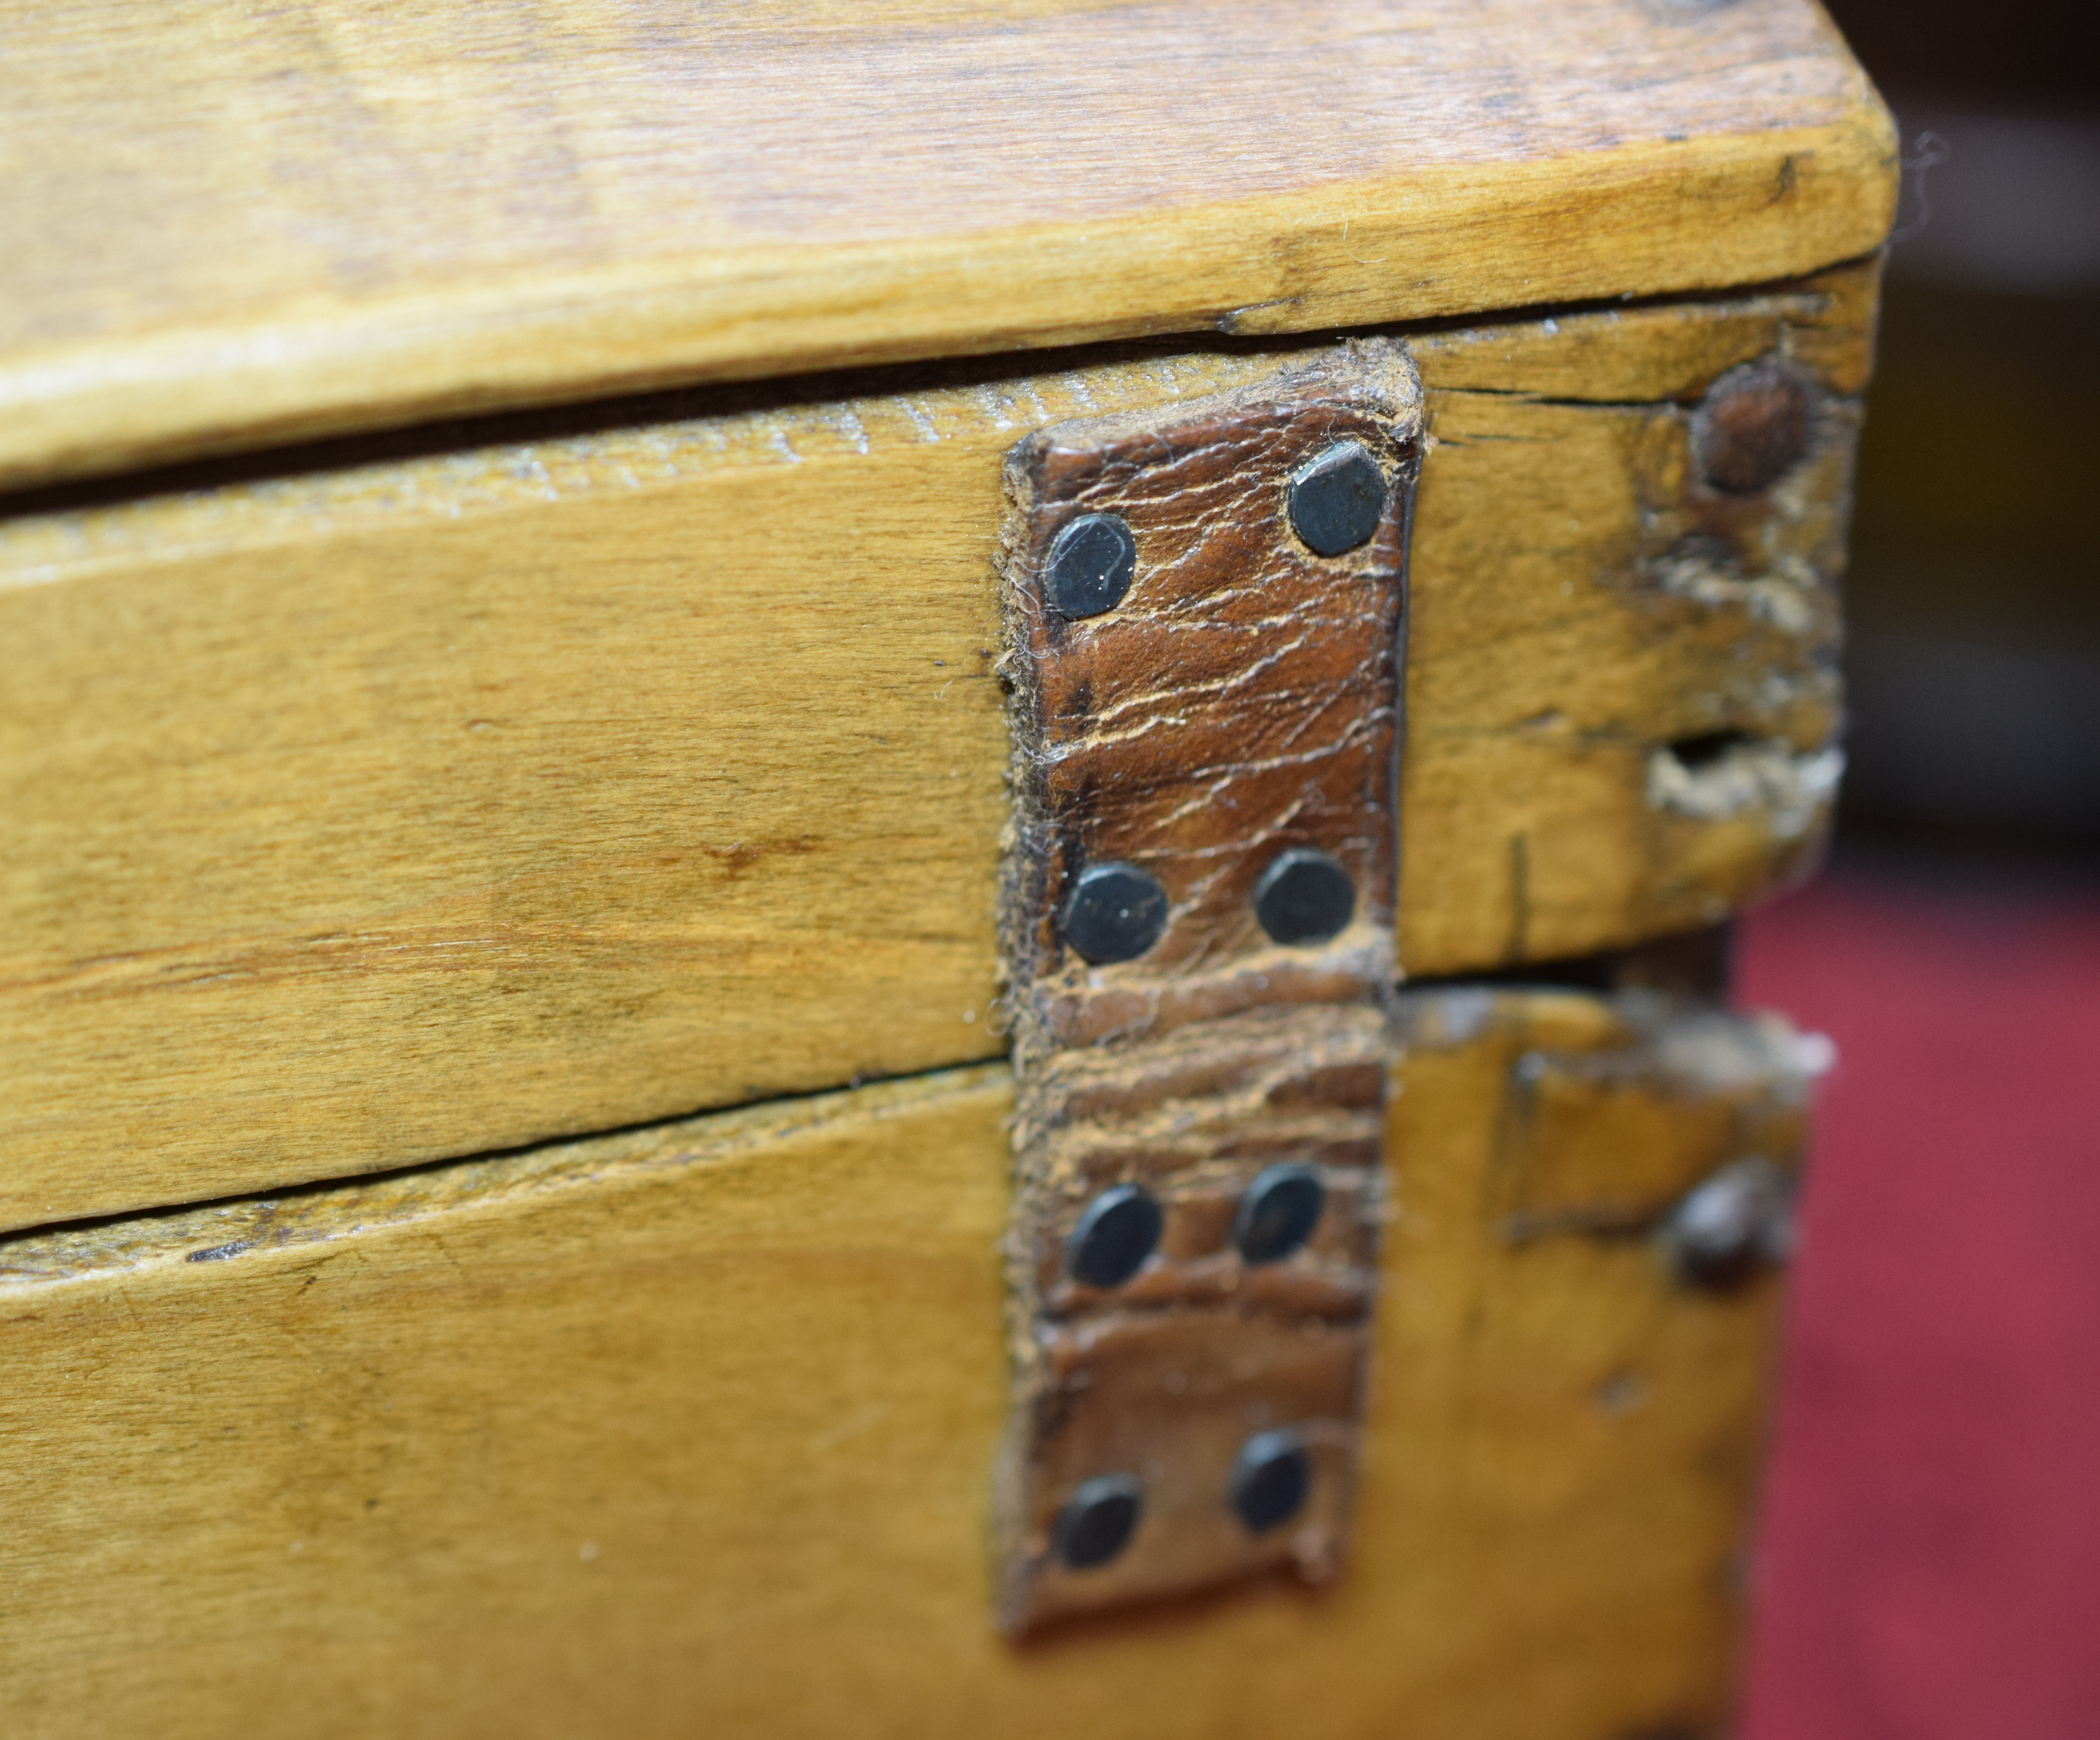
1205 611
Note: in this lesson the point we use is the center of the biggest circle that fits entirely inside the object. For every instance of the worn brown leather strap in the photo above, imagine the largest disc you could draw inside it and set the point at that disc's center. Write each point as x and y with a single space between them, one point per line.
1205 610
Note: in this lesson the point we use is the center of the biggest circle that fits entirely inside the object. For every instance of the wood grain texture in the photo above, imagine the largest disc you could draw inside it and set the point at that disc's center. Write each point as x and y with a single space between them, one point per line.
1238 702
1243 699
1639 668
230 226
690 1430
405 807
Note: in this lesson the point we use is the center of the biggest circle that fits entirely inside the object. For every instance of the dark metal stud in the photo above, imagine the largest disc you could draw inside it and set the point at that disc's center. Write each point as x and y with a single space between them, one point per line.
1091 562
1278 1212
1098 1520
1753 427
1724 1229
1305 896
1119 1230
1271 1478
1116 912
1337 501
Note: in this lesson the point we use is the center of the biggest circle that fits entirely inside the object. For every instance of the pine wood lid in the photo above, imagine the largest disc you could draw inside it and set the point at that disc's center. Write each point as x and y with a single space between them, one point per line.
231 226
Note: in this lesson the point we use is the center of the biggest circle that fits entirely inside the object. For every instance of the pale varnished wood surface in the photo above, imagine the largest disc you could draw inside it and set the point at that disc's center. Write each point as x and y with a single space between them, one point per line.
417 808
1557 639
690 1432
228 226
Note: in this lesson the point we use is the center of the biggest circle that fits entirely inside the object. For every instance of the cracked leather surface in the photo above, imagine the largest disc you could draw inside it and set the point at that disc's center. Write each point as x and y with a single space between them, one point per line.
1243 699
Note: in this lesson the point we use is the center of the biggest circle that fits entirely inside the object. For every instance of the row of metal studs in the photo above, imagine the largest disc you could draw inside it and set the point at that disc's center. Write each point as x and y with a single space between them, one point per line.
1117 911
1271 1480
1121 1227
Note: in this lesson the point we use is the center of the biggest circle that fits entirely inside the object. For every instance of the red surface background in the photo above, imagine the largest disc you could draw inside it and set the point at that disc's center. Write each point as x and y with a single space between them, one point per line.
1928 1561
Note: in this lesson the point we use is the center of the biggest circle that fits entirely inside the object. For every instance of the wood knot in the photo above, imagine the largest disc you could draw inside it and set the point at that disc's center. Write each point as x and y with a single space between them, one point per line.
1753 427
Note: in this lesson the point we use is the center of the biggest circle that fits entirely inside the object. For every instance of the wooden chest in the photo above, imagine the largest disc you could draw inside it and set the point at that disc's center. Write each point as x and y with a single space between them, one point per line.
515 576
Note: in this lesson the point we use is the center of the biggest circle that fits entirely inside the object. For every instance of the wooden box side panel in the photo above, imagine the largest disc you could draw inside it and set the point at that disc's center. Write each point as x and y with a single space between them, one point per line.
693 1429
413 807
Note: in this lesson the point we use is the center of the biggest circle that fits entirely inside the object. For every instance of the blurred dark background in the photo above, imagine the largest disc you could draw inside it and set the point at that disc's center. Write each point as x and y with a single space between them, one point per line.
1928 1561
1974 593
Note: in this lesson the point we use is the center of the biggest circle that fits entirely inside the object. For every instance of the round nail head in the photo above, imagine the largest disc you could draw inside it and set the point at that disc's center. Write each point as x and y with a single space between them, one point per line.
1116 912
1305 896
1091 562
1753 427
1271 1479
1337 501
1119 1230
1731 1225
1278 1212
1098 1520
